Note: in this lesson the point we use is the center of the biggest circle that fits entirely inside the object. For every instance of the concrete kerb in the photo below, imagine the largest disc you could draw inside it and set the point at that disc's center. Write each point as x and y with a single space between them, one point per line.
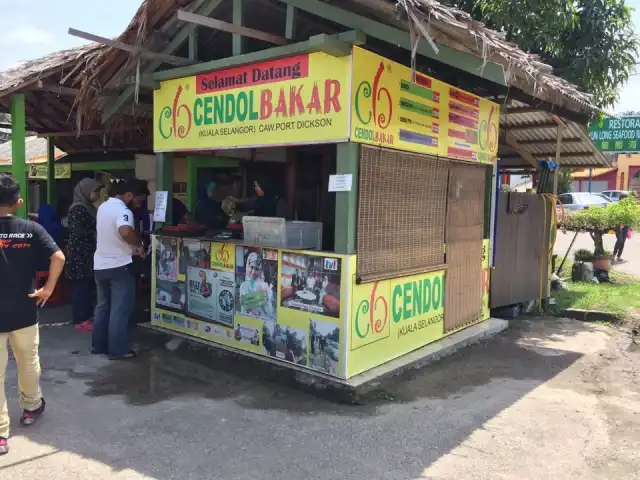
193 358
590 315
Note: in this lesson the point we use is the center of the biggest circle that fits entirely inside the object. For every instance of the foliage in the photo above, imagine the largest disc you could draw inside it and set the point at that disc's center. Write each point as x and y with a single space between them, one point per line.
599 221
583 255
589 43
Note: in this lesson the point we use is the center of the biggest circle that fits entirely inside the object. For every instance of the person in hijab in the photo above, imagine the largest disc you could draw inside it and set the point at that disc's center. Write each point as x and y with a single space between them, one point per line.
80 250
208 210
256 296
48 218
267 202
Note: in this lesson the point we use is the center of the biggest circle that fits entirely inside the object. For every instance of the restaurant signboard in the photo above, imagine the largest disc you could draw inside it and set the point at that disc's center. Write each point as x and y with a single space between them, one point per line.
393 108
616 135
288 101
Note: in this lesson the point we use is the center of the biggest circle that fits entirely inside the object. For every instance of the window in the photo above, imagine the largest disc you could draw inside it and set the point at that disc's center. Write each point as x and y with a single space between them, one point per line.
565 199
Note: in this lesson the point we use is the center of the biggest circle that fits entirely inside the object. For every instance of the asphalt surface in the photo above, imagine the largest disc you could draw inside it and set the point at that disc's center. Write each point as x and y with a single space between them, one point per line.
547 399
630 254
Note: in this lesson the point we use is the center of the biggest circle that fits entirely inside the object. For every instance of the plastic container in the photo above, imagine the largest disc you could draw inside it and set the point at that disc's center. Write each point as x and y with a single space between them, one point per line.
276 232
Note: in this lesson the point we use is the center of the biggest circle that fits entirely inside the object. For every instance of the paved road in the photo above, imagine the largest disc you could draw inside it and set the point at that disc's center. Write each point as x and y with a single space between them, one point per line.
548 399
631 253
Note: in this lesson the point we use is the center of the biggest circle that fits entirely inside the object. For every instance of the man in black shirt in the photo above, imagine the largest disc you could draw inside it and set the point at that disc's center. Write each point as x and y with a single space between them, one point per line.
24 245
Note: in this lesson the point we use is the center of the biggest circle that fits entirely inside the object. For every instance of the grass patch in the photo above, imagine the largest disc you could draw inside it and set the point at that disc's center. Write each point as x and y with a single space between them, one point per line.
621 298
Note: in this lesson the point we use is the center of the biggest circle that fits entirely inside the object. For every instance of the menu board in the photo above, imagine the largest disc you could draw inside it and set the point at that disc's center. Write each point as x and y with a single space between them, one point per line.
396 108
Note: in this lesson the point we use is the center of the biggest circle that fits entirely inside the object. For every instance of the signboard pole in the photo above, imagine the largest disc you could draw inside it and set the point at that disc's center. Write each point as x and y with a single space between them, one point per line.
590 178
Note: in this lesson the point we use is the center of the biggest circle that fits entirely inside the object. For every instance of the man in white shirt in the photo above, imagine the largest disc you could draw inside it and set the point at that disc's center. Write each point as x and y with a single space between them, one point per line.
117 242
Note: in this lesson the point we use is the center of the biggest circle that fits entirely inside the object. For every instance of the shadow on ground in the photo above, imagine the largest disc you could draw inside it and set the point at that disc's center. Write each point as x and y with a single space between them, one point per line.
131 416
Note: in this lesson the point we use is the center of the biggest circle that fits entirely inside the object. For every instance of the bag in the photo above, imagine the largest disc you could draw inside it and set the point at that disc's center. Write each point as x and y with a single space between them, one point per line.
629 233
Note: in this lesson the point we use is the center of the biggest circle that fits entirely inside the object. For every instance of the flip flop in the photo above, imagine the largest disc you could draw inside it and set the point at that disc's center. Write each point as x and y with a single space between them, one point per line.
126 356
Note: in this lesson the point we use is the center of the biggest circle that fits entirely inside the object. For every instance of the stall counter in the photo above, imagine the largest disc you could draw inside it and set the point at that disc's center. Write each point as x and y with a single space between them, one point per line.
300 307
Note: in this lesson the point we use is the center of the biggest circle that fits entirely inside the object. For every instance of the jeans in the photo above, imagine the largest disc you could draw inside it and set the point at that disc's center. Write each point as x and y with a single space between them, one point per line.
621 238
82 299
24 344
116 289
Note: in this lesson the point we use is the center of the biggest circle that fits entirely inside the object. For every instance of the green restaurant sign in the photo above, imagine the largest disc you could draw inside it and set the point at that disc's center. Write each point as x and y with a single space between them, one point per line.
616 134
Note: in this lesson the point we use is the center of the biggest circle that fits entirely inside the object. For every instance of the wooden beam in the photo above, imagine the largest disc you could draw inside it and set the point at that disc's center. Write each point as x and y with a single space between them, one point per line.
290 28
83 133
193 45
330 44
578 117
178 40
400 38
513 143
172 59
238 42
237 30
517 110
528 126
547 155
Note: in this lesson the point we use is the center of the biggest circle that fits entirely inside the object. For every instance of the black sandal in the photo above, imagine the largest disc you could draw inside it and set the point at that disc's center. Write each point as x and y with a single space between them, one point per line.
126 356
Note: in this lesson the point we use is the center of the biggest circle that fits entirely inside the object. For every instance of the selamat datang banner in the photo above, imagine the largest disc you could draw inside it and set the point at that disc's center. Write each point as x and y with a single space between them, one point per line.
288 101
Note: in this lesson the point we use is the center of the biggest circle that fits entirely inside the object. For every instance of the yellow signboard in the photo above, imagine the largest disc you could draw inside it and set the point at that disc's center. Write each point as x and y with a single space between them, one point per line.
223 256
391 108
39 172
394 317
288 101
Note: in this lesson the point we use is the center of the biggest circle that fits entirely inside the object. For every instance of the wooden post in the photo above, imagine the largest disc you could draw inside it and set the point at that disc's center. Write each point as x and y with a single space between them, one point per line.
238 45
347 162
164 179
18 150
291 182
193 45
51 171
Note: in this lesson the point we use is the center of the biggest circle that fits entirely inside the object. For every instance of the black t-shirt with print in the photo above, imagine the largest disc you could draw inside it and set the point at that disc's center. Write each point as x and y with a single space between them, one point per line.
24 246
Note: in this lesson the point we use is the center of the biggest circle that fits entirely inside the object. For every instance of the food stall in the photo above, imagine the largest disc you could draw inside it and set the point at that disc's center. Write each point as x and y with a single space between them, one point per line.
423 155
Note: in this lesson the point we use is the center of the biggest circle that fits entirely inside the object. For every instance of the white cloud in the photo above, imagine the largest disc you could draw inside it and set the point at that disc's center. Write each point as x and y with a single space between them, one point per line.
29 34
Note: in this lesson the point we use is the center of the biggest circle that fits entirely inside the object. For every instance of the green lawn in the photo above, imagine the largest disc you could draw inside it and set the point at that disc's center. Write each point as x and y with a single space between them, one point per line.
621 298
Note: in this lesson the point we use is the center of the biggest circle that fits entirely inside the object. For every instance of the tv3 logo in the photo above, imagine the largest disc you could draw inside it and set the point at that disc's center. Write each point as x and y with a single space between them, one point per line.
331 264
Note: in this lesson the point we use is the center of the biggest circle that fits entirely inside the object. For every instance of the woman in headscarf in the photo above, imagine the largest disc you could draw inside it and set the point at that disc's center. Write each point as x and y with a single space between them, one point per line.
256 296
80 250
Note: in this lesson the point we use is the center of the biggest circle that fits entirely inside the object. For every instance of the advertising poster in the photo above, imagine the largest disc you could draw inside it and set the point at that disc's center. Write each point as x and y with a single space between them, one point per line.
393 108
256 278
324 346
286 343
194 253
170 295
287 101
392 317
167 258
210 295
223 256
247 334
311 283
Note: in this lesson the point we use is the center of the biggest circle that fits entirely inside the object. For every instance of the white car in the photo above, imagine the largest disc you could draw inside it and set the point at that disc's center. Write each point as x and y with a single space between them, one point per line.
581 200
616 195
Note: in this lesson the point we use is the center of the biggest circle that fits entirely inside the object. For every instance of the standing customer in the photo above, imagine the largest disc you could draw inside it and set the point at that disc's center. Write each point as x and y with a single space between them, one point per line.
117 242
23 246
621 238
80 250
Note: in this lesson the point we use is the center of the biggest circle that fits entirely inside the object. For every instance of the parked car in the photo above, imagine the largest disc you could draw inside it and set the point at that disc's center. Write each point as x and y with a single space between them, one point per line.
581 200
616 195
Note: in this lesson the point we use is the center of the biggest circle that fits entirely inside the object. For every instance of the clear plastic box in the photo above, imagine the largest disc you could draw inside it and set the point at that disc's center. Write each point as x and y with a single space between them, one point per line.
276 232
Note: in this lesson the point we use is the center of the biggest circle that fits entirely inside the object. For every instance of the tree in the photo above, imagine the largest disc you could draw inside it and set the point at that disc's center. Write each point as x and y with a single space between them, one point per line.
600 221
589 43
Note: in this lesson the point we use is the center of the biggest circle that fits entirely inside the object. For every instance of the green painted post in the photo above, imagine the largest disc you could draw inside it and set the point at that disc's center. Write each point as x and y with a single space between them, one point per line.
348 161
239 41
18 150
51 171
164 179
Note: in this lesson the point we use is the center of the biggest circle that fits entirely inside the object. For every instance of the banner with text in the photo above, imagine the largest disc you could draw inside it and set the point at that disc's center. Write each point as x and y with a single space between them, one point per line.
39 172
616 134
288 101
421 114
393 317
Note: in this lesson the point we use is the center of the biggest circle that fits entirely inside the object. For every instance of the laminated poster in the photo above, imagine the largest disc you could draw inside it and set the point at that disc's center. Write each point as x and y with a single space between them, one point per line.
210 295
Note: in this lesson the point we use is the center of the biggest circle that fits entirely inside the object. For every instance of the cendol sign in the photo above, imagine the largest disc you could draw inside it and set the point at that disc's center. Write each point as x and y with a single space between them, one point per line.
616 134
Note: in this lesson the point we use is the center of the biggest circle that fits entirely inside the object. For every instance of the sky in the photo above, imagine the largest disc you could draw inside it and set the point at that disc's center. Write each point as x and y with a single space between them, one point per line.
38 27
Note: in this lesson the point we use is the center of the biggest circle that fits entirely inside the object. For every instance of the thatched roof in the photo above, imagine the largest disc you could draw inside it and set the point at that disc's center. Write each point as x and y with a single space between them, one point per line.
65 62
155 24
